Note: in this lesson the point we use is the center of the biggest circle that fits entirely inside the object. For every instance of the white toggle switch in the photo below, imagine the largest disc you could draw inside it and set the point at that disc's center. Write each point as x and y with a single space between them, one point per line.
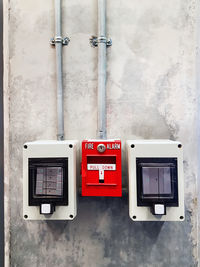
45 208
159 209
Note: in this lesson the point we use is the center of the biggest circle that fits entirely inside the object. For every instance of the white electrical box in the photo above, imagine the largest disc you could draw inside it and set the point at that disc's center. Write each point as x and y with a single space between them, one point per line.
156 182
49 180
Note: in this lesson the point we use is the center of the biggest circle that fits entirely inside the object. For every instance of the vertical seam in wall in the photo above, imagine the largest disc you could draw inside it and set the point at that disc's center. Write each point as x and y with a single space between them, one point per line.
1 145
198 121
6 16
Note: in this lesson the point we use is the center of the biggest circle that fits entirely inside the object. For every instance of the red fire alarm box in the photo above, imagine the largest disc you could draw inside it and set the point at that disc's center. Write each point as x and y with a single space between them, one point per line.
101 168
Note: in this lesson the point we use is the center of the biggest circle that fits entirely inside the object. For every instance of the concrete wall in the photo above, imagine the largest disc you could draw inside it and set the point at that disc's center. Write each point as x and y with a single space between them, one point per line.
151 93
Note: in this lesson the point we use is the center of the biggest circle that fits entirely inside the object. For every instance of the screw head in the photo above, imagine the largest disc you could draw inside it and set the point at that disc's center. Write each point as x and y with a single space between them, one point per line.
132 145
70 146
181 217
179 145
101 148
71 216
134 217
25 216
25 146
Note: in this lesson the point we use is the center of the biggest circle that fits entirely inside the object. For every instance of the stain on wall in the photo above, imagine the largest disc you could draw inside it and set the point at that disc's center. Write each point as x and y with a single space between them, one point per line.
151 93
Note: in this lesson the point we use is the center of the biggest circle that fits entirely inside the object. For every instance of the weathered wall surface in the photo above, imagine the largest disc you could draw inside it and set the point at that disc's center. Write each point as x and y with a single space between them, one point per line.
151 93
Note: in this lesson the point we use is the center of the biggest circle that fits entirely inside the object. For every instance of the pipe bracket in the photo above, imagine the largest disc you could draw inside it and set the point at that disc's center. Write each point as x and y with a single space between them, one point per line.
94 41
60 40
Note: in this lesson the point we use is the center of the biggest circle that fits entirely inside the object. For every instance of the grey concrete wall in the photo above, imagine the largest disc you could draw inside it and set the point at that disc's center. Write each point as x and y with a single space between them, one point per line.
151 93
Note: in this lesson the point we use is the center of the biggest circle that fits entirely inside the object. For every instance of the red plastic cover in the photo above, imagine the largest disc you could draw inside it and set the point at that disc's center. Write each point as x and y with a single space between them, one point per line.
101 168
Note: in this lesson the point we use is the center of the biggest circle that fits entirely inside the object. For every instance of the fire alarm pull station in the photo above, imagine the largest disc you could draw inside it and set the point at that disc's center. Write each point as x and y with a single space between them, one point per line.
101 168
156 183
49 180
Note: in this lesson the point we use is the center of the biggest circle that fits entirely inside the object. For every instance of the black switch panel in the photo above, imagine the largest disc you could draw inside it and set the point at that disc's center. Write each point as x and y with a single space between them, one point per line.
157 181
48 181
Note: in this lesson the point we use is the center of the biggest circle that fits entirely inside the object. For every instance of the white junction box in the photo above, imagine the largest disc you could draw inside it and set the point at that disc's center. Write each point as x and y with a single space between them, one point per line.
156 182
49 180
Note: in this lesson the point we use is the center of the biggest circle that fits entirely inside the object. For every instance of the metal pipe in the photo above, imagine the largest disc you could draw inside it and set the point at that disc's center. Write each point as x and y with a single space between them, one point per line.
102 133
59 70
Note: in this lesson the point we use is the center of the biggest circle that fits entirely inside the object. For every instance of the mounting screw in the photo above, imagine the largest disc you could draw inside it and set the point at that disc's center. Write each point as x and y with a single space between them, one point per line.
134 217
132 146
25 216
181 217
179 145
70 145
25 146
71 216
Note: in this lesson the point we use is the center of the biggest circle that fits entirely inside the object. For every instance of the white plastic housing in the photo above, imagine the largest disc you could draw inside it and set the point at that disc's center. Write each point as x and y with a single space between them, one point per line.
52 149
154 149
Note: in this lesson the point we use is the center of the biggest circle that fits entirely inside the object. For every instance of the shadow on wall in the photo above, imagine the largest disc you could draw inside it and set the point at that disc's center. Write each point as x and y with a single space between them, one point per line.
105 223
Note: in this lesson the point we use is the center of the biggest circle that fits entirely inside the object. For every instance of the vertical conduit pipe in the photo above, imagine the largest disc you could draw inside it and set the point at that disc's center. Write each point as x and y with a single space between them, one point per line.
59 68
102 70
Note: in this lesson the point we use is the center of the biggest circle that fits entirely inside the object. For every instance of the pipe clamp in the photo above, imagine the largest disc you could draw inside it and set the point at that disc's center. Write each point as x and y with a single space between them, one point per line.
94 41
60 40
